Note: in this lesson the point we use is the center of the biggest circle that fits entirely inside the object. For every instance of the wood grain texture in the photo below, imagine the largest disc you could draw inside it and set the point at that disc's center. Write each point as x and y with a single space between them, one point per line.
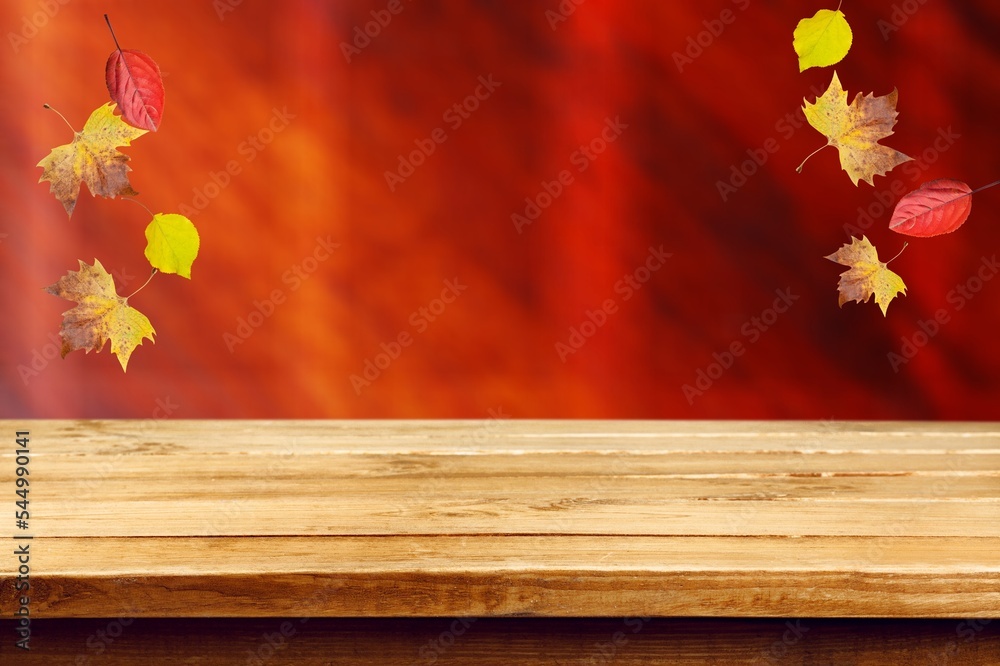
511 642
510 518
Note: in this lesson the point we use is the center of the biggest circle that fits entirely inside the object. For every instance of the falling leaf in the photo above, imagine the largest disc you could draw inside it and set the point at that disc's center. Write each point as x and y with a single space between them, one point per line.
855 130
866 276
172 243
822 40
936 207
92 158
101 314
134 82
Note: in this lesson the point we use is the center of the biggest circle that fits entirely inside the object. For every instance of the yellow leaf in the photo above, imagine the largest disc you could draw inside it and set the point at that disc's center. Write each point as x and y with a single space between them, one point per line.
92 158
822 40
100 314
172 243
866 276
855 130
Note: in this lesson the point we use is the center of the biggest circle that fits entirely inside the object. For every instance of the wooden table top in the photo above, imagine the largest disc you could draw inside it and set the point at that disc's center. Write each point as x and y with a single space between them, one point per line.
508 518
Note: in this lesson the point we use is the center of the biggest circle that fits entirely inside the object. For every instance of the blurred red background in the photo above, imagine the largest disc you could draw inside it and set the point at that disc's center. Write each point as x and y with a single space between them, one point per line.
328 127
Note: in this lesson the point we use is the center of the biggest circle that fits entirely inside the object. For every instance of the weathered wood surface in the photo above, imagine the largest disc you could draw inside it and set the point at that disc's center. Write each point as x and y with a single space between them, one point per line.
509 518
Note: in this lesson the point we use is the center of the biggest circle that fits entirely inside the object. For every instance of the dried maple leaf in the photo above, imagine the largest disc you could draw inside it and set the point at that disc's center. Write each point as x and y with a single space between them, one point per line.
855 130
101 314
866 276
92 158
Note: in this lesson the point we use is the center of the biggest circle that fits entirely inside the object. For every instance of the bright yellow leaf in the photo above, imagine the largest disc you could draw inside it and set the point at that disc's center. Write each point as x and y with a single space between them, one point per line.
867 275
855 130
92 158
172 243
101 314
822 40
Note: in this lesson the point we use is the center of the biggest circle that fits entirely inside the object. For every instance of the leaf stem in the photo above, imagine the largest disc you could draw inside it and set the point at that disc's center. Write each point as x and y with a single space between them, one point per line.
984 187
897 254
961 196
108 21
46 106
155 271
136 201
798 169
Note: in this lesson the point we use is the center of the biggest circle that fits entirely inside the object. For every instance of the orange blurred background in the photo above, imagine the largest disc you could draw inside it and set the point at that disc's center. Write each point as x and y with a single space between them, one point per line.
282 120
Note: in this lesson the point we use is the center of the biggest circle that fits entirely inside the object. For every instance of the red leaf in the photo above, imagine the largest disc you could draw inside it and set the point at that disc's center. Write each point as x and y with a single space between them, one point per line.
936 207
136 86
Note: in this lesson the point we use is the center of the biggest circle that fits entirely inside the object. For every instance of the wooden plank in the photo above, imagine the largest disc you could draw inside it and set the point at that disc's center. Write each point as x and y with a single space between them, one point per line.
467 437
557 518
378 514
708 464
519 576
634 641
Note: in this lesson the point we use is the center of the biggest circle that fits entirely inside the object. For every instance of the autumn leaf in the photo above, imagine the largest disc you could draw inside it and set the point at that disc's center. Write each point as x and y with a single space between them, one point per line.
101 314
822 40
867 275
172 243
134 82
936 207
92 158
855 130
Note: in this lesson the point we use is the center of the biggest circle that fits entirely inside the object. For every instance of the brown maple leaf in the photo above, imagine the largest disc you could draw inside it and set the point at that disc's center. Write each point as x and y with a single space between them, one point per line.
855 130
92 158
101 314
867 275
